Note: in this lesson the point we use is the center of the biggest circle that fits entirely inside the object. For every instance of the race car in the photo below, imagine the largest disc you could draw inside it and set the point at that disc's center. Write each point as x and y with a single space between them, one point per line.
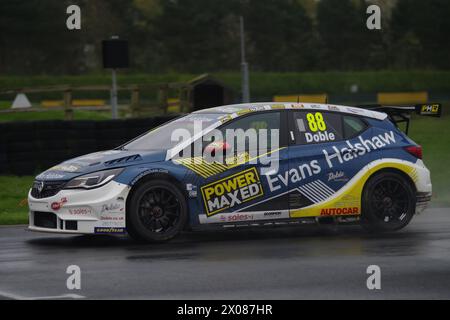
258 164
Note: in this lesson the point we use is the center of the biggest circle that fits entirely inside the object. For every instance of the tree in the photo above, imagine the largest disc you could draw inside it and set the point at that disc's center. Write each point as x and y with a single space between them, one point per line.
420 33
280 35
341 26
34 37
199 35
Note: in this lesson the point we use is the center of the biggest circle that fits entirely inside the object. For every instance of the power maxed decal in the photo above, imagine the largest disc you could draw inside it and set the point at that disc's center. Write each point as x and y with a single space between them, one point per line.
231 191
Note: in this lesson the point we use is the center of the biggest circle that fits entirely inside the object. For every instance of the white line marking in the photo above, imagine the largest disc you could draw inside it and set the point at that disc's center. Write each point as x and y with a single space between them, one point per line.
19 297
318 190
308 195
308 188
326 186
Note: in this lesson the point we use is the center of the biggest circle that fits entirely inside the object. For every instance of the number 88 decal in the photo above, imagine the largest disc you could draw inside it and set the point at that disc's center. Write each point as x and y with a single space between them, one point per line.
316 122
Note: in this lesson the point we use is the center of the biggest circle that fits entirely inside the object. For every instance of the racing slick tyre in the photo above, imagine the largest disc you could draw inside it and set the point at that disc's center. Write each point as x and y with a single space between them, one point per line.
157 212
388 202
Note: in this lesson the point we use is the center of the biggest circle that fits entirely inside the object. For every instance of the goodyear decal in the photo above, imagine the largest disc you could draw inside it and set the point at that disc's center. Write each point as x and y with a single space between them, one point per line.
107 230
231 191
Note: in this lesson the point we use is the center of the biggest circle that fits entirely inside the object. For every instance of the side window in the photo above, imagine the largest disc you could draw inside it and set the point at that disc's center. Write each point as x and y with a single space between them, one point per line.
266 121
353 126
316 127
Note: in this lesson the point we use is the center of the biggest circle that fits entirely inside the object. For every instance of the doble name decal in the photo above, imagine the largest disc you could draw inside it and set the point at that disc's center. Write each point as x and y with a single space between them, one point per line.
231 191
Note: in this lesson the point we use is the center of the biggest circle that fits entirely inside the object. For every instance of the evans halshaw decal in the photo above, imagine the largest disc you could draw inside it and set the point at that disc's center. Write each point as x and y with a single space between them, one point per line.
231 191
360 148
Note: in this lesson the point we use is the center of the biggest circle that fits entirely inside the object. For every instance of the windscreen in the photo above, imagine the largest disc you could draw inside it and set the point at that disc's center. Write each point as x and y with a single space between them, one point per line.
161 138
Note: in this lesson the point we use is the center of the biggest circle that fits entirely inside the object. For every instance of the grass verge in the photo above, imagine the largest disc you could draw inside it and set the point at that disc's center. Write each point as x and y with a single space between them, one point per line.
13 195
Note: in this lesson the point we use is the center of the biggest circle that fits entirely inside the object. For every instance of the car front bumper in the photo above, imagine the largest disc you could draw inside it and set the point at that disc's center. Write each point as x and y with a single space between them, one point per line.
79 211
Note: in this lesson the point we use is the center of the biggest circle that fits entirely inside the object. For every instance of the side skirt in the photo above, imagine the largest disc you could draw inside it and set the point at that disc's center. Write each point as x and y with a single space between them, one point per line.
339 220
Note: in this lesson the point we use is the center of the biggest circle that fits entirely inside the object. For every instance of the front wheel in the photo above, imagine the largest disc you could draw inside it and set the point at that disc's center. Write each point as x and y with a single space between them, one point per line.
157 211
388 202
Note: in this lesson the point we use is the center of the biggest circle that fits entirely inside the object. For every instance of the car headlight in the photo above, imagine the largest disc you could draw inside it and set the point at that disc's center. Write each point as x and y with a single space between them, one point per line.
93 180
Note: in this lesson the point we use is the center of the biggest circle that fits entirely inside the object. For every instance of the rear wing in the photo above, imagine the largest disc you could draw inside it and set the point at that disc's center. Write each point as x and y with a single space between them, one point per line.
400 114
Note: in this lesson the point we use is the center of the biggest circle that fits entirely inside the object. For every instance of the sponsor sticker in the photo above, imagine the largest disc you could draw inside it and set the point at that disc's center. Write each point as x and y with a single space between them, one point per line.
146 172
236 217
66 168
106 230
249 216
111 207
333 108
50 176
231 191
80 211
429 109
339 211
58 204
337 176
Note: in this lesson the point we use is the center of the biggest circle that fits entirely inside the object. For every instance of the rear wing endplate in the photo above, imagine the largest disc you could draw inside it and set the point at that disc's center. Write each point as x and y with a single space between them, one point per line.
400 114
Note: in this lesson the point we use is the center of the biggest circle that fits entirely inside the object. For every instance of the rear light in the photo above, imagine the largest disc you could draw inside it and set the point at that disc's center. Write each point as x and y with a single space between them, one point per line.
416 151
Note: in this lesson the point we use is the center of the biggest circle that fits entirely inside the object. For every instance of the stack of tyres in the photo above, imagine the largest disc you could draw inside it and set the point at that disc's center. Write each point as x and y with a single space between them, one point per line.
20 148
30 147
111 134
51 138
81 138
3 154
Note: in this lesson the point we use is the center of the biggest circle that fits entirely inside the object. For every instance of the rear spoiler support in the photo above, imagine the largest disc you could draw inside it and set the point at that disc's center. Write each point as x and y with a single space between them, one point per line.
400 114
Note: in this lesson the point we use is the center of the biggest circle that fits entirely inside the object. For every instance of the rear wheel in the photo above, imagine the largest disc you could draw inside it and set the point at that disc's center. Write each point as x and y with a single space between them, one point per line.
157 211
388 202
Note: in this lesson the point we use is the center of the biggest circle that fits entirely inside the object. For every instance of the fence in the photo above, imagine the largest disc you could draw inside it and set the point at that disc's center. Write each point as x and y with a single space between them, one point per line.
135 107
31 146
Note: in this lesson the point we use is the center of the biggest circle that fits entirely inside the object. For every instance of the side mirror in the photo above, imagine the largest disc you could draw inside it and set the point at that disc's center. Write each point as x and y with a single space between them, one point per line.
217 146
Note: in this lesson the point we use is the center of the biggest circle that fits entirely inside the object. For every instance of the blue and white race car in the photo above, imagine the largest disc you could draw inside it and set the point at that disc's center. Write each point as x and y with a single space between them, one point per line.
296 163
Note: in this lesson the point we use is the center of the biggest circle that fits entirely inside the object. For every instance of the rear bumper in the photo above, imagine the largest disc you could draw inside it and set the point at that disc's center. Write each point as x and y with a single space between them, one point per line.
423 200
423 184
100 210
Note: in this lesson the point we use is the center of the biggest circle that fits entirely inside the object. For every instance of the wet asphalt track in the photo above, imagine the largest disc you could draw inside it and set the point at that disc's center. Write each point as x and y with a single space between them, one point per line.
279 263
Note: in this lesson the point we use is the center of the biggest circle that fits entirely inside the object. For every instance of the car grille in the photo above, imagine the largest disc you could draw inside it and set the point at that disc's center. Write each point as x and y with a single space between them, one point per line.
45 220
49 188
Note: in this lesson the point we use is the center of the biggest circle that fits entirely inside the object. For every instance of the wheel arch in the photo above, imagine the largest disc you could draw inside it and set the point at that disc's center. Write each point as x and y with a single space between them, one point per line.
372 223
390 170
154 176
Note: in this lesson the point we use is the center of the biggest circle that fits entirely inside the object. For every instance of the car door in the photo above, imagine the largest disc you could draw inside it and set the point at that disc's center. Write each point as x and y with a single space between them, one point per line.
315 138
242 192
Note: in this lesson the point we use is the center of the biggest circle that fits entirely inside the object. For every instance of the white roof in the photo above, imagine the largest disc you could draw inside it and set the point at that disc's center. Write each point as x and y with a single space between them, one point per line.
235 110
